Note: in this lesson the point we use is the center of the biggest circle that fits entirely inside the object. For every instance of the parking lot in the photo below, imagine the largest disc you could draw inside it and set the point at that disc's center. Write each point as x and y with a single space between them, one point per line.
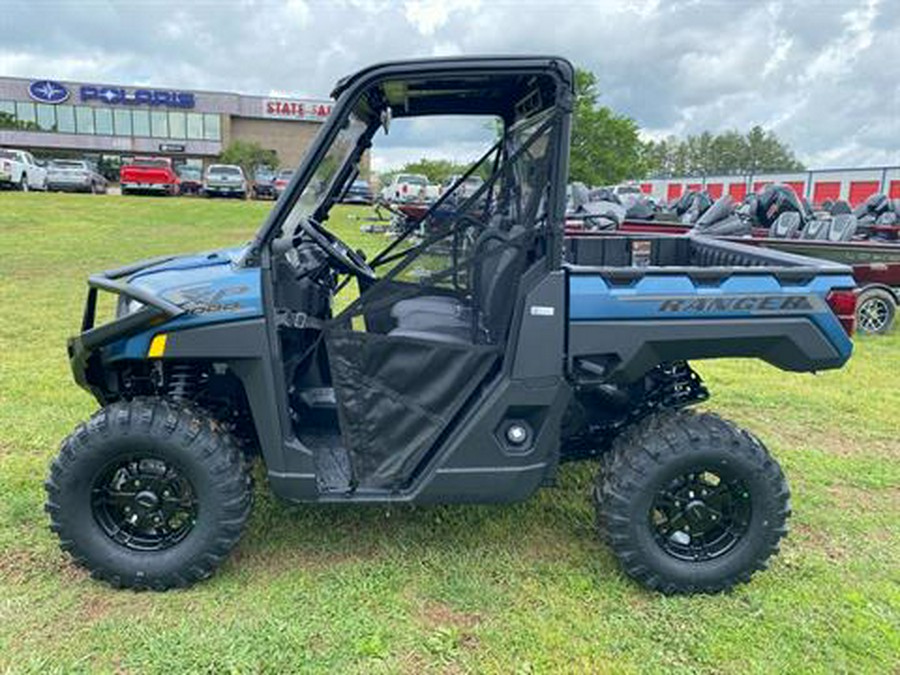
523 588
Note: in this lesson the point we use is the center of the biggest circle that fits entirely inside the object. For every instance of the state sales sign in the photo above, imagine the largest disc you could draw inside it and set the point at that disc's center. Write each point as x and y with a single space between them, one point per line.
293 109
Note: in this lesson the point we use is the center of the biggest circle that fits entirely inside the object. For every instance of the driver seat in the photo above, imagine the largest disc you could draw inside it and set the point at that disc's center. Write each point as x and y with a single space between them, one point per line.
496 267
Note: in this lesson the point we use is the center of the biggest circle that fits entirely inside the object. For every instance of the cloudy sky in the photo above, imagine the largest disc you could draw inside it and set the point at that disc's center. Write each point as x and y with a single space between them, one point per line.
824 74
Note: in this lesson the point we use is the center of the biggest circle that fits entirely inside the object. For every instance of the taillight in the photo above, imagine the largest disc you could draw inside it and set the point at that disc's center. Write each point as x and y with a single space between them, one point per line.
843 304
403 188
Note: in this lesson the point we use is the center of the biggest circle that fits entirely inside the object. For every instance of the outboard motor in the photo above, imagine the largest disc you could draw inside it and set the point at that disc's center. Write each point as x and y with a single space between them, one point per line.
869 211
775 200
787 225
843 227
816 229
721 220
641 209
692 205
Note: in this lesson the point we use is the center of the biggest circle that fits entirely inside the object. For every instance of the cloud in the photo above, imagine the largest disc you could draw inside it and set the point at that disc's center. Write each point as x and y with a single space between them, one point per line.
822 75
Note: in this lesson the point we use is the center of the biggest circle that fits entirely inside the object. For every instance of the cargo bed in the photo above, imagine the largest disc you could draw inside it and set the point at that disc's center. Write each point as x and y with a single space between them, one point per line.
639 300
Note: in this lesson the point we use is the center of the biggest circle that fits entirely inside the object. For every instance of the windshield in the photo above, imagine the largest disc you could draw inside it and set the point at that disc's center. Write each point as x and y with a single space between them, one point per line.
342 147
224 171
63 164
142 161
188 172
412 179
285 174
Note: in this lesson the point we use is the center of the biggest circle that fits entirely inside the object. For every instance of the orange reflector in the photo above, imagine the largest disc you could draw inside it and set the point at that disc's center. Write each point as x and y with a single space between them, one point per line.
157 346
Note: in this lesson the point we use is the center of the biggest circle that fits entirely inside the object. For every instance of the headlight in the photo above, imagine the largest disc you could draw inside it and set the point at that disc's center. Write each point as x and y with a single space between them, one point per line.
127 306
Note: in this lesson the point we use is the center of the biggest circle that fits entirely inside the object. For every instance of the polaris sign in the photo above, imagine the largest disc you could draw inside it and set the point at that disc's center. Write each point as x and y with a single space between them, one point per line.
48 91
152 97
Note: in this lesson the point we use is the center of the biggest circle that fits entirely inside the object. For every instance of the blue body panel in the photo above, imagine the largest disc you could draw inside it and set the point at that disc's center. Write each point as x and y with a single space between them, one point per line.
209 285
592 298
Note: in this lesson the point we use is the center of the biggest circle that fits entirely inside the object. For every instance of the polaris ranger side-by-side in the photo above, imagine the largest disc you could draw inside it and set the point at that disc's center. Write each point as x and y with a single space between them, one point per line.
478 357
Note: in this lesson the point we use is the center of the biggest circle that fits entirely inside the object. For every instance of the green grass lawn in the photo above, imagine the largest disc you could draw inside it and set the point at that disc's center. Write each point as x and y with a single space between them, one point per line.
524 588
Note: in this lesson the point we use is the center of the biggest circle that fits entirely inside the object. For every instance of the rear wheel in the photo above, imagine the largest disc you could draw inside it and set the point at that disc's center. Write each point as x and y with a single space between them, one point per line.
875 311
149 495
690 503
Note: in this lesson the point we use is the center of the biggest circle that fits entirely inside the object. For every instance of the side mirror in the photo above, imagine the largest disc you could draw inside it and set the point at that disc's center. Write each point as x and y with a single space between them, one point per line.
361 253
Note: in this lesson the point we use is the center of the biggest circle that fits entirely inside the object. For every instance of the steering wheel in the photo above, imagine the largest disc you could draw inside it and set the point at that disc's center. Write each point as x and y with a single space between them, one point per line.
348 260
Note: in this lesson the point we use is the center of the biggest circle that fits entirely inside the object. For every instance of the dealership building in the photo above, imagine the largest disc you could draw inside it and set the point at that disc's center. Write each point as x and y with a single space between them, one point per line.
96 120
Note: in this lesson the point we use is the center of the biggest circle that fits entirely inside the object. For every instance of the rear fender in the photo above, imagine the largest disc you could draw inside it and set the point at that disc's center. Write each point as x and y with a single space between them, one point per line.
624 330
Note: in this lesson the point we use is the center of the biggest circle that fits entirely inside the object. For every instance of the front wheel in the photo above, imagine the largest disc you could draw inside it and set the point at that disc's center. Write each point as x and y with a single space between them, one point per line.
690 503
149 494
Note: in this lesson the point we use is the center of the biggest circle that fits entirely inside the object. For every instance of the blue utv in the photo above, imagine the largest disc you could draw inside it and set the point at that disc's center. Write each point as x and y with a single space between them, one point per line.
477 358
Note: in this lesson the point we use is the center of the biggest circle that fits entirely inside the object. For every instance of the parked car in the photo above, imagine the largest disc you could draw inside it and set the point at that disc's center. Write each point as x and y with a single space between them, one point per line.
405 187
468 187
434 392
191 180
281 181
74 175
19 170
149 175
264 183
225 180
359 193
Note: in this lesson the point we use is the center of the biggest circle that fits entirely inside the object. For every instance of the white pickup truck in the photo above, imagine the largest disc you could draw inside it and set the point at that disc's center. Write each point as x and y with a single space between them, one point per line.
19 170
407 187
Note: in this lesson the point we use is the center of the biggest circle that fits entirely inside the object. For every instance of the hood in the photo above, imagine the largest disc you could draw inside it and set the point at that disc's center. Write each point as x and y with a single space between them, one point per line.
210 286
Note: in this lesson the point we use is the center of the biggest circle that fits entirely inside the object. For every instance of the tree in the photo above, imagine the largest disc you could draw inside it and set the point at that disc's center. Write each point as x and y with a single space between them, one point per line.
605 146
729 152
435 170
249 155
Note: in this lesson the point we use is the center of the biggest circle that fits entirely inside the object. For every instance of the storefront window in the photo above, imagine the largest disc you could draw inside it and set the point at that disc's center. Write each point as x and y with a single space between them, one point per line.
194 126
103 121
159 124
65 119
141 121
84 119
211 129
122 119
46 117
8 108
25 114
177 124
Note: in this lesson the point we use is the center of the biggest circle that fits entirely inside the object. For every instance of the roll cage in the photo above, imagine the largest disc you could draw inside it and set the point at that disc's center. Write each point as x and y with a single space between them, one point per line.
505 87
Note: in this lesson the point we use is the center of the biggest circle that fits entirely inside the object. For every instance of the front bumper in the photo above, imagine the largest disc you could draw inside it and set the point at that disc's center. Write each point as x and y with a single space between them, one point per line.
83 349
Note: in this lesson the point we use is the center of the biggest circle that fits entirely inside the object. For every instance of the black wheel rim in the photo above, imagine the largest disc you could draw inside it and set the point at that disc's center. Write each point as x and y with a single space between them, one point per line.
144 503
701 515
